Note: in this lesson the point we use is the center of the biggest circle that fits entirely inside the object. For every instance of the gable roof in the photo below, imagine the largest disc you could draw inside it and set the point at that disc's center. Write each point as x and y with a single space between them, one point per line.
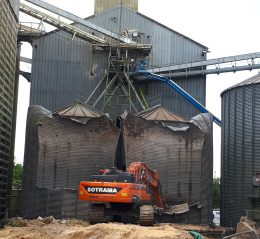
138 13
150 19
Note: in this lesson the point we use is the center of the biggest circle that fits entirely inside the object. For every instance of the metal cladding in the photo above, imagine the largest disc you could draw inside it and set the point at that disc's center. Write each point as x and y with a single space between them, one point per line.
66 70
181 155
102 5
15 6
8 31
240 154
59 153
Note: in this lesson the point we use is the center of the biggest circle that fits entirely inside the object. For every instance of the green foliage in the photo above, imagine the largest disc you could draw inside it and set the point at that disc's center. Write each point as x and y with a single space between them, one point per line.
216 193
17 175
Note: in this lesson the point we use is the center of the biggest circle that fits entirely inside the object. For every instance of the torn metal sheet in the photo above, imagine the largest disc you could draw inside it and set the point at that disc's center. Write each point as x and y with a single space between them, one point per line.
59 154
182 156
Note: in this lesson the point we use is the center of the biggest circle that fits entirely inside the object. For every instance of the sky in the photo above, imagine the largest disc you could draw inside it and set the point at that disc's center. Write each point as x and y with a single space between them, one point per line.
226 27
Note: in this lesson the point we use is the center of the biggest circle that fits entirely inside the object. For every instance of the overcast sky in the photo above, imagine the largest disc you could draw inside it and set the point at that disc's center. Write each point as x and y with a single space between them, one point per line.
226 27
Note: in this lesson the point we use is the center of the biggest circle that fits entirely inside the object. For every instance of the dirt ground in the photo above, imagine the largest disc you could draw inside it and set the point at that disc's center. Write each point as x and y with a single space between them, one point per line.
74 229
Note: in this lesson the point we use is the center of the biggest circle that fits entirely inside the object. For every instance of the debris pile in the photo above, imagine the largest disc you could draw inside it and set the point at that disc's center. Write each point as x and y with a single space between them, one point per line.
46 228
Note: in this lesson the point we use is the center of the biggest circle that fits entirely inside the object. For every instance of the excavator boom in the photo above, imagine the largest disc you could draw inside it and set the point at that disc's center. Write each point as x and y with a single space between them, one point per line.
145 175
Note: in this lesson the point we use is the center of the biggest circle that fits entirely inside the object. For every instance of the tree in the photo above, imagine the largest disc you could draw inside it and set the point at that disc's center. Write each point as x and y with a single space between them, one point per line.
17 175
216 192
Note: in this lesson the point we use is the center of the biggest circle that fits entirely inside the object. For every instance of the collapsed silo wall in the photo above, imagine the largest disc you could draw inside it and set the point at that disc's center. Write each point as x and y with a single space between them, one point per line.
183 158
34 116
65 152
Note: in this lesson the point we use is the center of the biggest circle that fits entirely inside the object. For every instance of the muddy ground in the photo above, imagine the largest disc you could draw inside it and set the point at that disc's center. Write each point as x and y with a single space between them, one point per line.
48 228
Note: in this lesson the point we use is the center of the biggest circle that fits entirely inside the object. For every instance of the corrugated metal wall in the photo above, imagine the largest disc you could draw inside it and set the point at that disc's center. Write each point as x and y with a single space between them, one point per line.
240 151
15 6
57 158
8 37
169 47
67 157
102 5
182 157
61 70
62 66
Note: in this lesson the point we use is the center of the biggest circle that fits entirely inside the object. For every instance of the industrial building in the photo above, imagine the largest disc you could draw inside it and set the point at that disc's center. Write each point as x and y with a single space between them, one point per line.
8 94
65 70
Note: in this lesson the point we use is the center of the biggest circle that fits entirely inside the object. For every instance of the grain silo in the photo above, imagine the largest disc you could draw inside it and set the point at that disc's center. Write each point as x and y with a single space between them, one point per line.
8 91
66 69
181 152
240 156
62 149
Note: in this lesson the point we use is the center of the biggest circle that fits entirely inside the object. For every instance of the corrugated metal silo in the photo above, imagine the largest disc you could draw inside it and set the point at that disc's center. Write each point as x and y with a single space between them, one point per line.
60 152
182 155
240 156
8 38
102 5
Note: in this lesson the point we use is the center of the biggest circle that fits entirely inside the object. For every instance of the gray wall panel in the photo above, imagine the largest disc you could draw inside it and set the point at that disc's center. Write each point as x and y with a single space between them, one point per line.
15 6
61 70
169 47
8 90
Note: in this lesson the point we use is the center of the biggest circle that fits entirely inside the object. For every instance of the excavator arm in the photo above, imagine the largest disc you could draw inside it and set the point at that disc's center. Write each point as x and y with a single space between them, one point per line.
149 177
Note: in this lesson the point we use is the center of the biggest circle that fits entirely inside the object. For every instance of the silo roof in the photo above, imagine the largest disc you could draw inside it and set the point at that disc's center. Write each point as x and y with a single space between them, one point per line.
77 110
159 113
251 81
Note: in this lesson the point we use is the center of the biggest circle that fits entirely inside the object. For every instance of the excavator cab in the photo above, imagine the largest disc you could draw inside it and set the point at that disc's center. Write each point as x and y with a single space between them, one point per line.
116 194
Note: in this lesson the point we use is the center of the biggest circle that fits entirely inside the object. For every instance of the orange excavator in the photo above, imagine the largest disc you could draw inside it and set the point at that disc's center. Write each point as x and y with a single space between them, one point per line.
117 195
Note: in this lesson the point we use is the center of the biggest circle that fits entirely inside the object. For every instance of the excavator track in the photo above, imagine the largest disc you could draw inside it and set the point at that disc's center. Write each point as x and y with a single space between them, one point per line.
146 215
97 213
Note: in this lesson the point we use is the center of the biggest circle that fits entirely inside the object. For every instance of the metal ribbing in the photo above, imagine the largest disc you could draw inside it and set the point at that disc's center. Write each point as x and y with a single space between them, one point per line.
67 157
7 81
183 159
240 151
168 46
56 160
28 196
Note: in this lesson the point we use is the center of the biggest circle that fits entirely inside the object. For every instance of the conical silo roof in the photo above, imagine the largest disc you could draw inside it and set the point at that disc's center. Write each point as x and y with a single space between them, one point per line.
159 113
77 110
250 81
